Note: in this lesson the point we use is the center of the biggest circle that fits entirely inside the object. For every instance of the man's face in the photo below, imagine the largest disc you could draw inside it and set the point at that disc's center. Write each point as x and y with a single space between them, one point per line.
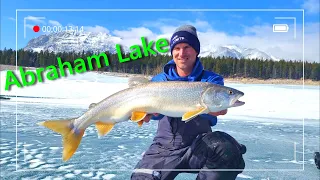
184 56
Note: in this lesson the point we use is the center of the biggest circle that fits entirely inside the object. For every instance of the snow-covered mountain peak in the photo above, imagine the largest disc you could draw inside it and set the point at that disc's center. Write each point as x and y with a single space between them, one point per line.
68 41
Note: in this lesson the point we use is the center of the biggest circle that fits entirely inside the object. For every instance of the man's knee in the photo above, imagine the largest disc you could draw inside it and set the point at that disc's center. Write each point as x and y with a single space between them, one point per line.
142 177
140 174
224 152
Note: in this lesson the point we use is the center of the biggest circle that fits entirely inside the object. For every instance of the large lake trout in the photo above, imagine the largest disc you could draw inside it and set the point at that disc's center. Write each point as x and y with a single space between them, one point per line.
170 98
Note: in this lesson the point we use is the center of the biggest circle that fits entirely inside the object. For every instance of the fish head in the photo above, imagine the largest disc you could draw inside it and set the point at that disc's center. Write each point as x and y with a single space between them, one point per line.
218 98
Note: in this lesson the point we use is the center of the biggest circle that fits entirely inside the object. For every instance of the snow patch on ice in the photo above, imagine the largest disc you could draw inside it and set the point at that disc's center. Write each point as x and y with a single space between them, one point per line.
108 176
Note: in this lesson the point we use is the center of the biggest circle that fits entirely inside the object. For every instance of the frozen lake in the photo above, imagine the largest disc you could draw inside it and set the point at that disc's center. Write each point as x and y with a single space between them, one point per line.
277 124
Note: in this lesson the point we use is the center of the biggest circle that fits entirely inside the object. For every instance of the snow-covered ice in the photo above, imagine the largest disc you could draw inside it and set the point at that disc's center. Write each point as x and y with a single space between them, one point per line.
271 124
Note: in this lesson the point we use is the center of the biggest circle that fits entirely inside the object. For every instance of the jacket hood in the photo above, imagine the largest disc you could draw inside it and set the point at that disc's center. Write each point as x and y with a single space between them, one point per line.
171 74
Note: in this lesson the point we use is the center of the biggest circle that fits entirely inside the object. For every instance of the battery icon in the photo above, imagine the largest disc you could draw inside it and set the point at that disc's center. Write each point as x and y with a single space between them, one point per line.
280 28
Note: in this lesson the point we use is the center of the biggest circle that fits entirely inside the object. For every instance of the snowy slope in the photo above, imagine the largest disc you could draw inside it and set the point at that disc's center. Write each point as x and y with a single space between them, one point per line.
74 41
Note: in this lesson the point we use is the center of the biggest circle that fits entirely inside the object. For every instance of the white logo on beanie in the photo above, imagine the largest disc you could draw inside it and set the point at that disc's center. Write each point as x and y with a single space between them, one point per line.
176 38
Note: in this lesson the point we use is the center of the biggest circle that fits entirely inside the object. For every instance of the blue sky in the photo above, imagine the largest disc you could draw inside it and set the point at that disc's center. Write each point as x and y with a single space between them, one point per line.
249 29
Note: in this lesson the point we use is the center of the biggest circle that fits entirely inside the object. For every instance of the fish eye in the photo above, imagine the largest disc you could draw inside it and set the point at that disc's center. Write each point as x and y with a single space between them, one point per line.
230 92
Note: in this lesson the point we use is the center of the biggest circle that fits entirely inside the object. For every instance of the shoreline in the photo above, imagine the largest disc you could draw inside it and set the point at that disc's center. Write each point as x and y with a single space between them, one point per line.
226 79
239 80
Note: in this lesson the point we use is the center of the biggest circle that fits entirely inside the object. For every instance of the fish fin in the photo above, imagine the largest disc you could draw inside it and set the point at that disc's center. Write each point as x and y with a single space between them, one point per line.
134 81
137 116
103 128
92 105
71 139
191 114
70 144
140 123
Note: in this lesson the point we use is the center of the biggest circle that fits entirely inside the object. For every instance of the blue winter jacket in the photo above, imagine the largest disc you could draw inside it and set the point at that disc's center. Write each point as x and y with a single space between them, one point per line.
197 74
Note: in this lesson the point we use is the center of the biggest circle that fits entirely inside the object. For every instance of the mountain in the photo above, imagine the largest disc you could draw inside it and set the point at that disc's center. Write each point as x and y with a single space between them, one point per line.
234 51
68 41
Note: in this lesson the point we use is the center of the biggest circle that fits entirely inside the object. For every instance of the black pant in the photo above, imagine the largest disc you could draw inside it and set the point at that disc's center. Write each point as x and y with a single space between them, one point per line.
210 155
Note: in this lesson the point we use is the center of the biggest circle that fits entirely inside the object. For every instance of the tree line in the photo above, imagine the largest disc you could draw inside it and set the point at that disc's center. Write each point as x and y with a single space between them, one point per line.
151 65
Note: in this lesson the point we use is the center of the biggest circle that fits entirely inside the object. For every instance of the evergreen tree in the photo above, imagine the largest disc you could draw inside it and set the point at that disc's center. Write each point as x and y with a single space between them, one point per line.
315 73
151 65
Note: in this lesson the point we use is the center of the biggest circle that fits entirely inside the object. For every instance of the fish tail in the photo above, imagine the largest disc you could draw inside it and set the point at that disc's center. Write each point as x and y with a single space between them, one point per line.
70 135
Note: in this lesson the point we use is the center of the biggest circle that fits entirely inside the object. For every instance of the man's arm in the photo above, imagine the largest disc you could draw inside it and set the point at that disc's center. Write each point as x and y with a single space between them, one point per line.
216 79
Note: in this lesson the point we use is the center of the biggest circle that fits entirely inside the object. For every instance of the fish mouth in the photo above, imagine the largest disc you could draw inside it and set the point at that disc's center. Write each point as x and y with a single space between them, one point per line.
236 102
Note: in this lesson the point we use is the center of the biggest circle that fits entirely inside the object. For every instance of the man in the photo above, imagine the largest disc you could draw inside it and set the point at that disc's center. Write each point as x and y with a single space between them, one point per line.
185 146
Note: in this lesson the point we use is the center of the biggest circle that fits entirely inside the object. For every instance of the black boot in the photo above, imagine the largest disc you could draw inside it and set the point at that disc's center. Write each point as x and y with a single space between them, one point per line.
317 159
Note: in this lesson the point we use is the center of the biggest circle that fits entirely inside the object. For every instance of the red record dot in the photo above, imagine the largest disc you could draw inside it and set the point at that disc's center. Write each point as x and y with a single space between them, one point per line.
36 28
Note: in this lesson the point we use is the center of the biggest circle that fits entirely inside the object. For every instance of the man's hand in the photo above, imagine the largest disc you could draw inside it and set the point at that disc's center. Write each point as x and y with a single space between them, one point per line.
223 112
148 117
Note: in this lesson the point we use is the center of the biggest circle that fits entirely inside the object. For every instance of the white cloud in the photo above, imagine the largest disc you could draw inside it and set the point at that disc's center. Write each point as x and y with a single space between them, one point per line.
11 18
34 19
96 29
54 23
133 32
199 24
29 26
311 6
281 45
169 25
132 36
